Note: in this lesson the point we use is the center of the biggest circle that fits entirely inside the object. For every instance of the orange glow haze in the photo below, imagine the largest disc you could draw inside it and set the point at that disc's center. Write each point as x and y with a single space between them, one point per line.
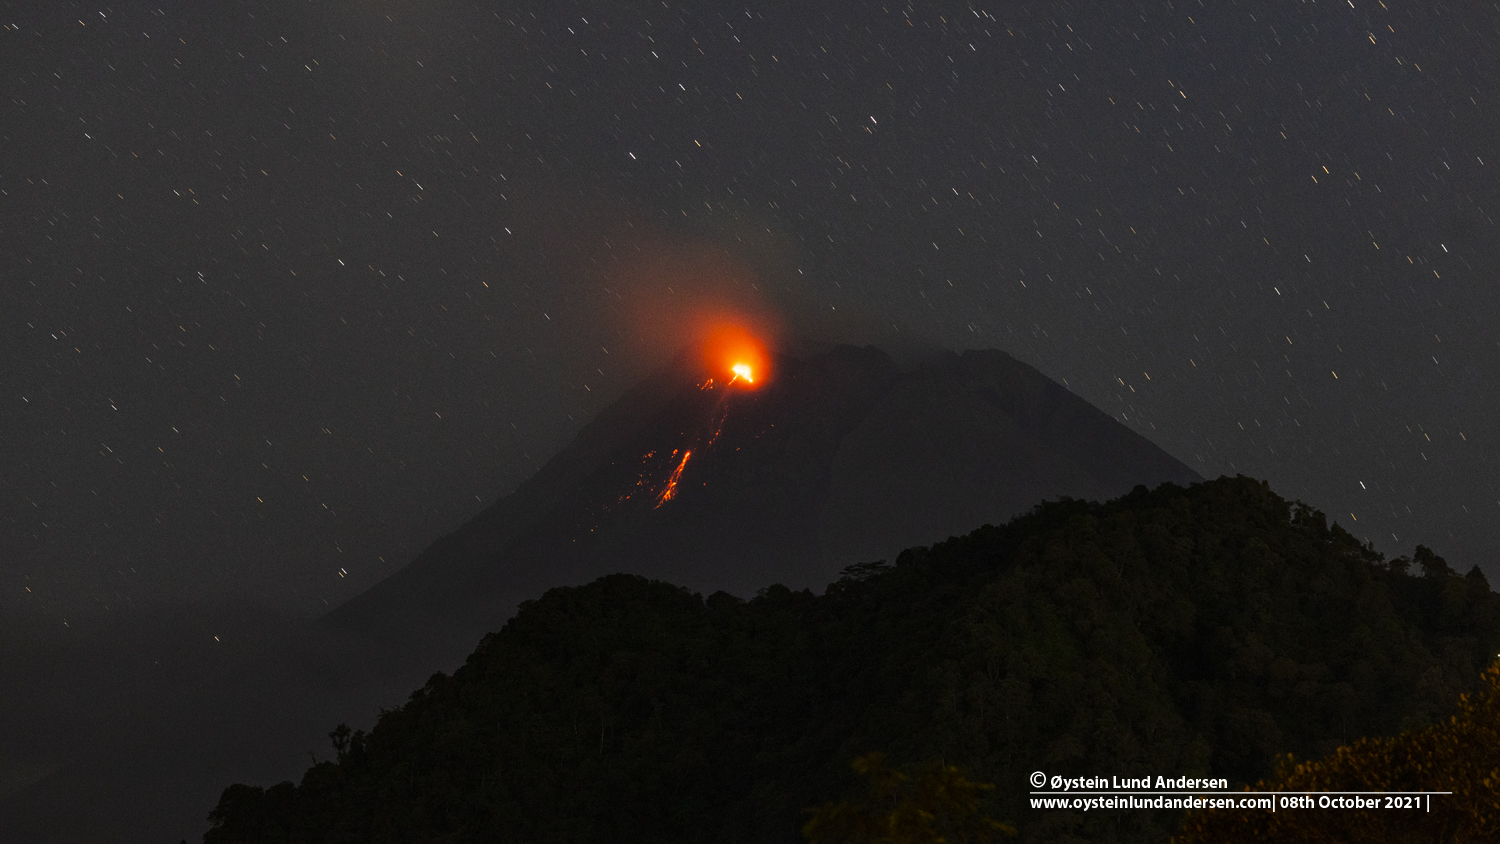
734 350
671 291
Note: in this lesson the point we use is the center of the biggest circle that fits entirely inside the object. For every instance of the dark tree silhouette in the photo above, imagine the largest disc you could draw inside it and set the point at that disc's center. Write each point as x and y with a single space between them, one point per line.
1204 631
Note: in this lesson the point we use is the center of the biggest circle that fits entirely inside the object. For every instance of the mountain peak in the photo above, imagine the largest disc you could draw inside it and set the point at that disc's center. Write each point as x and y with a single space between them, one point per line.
831 456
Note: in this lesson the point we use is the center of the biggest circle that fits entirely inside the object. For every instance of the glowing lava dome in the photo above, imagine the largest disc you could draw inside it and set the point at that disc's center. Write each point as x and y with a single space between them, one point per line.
738 353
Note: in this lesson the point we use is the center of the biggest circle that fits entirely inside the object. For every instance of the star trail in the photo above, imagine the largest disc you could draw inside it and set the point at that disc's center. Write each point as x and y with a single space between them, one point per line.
291 289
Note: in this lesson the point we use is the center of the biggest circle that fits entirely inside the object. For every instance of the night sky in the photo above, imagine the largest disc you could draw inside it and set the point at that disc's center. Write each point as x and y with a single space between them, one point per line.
291 289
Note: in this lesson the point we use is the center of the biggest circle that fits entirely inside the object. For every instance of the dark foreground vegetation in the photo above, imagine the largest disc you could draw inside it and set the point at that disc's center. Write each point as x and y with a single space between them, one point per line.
1457 758
1179 632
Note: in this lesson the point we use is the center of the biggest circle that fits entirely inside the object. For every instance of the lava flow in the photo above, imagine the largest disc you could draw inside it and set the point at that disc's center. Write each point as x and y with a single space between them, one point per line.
744 357
669 491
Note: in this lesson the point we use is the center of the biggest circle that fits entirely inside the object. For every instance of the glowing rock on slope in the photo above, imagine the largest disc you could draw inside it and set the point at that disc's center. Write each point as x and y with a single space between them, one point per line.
669 491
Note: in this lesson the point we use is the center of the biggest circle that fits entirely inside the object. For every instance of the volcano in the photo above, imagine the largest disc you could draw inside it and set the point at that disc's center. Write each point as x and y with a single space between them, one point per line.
710 477
702 475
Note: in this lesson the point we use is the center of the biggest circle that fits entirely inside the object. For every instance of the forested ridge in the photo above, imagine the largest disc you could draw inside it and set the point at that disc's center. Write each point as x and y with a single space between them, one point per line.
1199 631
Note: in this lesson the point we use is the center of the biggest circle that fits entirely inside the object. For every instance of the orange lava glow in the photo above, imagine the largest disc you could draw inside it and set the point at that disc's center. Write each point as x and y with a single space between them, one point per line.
669 491
737 353
676 292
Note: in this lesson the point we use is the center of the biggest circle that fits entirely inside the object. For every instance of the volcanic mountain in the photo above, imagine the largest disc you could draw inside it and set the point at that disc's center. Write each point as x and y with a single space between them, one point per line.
699 476
703 478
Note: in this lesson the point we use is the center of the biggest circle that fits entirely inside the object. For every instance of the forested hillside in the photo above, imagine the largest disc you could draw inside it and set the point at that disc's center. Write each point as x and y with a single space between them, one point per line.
1198 631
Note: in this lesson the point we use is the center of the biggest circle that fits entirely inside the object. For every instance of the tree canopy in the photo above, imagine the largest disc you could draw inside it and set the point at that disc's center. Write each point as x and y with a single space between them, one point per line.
1202 631
935 804
1460 755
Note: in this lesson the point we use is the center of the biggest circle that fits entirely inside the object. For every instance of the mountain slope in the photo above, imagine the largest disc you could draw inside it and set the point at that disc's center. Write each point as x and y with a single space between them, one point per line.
839 456
836 458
